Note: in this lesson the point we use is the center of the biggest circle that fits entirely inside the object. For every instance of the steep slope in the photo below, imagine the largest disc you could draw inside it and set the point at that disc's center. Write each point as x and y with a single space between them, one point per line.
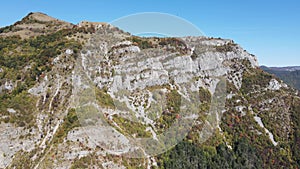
34 24
290 75
82 96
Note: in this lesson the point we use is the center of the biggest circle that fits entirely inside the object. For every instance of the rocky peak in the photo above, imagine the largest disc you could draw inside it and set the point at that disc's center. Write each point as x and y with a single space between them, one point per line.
35 24
40 17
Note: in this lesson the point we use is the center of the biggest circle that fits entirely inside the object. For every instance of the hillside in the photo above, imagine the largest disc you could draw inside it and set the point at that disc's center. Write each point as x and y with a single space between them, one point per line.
93 96
290 75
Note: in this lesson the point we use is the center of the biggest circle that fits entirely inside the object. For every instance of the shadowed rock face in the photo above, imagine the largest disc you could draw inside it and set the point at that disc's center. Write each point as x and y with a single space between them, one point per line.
119 79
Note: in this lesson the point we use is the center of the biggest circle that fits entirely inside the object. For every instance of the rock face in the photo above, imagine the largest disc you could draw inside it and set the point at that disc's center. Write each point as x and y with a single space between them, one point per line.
104 96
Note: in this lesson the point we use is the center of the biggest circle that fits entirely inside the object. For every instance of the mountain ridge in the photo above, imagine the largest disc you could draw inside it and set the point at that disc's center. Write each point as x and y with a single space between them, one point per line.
285 68
43 79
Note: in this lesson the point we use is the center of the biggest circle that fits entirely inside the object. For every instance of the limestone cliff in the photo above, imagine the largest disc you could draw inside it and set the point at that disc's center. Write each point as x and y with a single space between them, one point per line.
76 96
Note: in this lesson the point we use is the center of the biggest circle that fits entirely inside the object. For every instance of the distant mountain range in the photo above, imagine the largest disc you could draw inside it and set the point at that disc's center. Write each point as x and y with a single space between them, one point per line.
288 69
290 75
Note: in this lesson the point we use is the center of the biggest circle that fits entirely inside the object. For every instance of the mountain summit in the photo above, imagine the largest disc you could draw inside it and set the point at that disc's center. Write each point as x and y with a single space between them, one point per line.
92 96
35 24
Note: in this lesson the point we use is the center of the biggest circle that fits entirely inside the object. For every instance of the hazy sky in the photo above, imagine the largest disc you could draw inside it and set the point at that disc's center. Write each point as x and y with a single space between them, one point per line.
267 28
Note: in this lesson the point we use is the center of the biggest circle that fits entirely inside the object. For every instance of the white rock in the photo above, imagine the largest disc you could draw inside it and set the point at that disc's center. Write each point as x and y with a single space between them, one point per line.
8 85
123 43
55 60
260 123
133 49
112 165
69 52
274 85
10 110
230 96
241 110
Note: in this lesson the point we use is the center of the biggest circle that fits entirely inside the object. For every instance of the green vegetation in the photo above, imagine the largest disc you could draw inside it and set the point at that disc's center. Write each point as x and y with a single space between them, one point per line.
22 160
292 78
249 149
295 142
70 121
29 20
142 43
133 163
5 29
205 99
84 162
10 28
173 101
229 47
189 156
236 127
36 53
255 79
172 110
174 45
104 98
23 61
175 42
205 95
169 44
24 105
131 128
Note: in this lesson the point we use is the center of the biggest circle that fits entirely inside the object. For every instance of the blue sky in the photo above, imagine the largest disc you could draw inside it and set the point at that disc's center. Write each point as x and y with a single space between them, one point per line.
267 28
